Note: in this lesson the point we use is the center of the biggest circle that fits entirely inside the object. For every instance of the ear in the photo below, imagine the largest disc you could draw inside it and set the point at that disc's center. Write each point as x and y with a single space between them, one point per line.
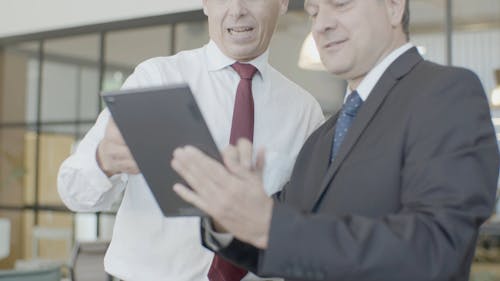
283 6
395 11
205 8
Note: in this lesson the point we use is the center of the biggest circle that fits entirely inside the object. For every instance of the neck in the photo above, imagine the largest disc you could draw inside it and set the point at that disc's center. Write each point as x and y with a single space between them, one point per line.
354 82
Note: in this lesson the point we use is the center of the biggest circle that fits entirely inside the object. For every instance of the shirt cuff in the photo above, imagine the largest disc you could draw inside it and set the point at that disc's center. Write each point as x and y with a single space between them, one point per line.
99 178
215 240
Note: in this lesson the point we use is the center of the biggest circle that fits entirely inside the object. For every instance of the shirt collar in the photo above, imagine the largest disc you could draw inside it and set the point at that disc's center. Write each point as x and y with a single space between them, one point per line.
217 60
368 83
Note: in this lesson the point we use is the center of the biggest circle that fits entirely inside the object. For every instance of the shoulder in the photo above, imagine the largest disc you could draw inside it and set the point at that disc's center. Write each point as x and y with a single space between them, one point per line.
291 89
180 59
440 78
164 70
451 97
429 83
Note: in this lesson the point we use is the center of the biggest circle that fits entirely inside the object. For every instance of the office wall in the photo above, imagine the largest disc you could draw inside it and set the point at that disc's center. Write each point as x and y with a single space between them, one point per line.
474 49
27 16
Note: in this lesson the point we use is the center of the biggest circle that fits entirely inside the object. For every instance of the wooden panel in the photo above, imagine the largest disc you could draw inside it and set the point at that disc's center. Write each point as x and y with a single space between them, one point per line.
2 78
54 149
16 238
29 160
11 166
14 87
58 249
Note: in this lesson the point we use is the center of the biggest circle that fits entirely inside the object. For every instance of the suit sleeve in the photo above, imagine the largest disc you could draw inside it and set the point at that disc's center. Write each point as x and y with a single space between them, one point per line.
241 253
448 181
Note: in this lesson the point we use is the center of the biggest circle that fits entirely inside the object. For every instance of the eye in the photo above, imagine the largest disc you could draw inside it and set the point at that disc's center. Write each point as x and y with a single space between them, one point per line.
341 3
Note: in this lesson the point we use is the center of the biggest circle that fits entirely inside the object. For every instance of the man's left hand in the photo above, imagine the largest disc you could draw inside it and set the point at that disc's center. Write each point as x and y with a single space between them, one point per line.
233 195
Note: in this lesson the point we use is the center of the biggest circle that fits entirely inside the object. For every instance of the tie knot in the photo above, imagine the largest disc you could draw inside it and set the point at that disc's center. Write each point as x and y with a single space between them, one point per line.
245 70
352 104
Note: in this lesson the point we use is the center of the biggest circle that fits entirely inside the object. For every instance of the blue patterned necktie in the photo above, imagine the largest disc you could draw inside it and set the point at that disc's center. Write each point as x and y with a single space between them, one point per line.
344 121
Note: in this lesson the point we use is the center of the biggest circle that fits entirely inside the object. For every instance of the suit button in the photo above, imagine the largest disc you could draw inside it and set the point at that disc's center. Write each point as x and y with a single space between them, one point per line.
311 275
320 275
297 272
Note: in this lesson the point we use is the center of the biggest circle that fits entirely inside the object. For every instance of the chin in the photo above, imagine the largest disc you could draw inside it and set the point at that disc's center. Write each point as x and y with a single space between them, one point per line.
333 68
243 53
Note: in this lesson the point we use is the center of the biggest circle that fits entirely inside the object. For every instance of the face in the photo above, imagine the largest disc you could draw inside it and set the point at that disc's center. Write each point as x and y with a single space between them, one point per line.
242 29
352 36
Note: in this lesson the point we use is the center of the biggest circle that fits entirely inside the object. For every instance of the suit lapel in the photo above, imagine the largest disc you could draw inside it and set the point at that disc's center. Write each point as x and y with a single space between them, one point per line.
389 79
326 145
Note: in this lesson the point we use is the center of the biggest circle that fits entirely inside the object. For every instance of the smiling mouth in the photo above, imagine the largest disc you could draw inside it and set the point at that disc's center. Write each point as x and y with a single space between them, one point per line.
239 30
334 44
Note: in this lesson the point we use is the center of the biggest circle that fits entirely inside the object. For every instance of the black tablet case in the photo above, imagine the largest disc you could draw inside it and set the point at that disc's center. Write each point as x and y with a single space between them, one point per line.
154 122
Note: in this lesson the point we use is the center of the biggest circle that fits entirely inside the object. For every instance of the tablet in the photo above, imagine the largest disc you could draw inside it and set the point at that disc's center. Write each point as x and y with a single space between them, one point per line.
154 122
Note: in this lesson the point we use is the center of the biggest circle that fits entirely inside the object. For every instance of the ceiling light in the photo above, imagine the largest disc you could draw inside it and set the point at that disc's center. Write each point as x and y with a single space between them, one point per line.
495 97
309 57
496 121
422 50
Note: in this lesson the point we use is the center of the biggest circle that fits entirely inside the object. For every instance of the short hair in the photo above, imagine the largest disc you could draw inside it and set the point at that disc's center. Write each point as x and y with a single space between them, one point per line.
406 20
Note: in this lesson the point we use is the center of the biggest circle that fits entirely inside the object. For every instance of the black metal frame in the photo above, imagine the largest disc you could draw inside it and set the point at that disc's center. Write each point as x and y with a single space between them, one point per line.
102 29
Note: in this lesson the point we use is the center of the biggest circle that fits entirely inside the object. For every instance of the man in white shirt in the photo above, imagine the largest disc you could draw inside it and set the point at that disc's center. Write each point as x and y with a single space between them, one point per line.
145 245
393 187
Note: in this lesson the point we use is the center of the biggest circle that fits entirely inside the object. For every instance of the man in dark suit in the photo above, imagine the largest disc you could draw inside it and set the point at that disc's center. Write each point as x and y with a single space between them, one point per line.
393 187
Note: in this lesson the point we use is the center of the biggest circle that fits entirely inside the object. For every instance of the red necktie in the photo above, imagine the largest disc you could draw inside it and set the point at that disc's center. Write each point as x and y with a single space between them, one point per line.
242 127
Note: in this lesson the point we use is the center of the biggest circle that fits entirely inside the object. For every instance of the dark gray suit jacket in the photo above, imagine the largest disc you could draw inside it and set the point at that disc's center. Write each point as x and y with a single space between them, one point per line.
403 200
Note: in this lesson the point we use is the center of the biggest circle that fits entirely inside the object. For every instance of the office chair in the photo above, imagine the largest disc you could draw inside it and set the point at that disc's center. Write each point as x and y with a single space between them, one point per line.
87 262
47 274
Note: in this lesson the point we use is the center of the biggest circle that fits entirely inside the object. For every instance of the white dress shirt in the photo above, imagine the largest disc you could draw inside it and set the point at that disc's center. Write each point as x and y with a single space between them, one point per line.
146 245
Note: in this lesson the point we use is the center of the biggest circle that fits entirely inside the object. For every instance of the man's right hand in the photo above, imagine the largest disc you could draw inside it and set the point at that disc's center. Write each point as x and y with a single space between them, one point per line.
113 155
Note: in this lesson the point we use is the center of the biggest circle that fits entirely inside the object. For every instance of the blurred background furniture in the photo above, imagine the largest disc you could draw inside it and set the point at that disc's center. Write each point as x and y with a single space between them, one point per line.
38 260
50 233
47 274
87 262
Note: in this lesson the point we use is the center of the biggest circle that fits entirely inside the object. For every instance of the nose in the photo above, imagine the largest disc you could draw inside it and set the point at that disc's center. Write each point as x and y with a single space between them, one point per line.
324 21
237 8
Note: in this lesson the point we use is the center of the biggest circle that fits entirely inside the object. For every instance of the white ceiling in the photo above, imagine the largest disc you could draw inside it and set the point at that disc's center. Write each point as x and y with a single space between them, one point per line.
129 47
425 15
27 16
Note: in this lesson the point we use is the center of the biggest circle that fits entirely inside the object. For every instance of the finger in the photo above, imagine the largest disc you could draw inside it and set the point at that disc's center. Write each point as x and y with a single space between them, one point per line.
112 133
230 155
127 166
238 170
190 175
120 152
260 161
242 168
191 197
192 167
111 123
130 167
111 127
245 152
203 165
